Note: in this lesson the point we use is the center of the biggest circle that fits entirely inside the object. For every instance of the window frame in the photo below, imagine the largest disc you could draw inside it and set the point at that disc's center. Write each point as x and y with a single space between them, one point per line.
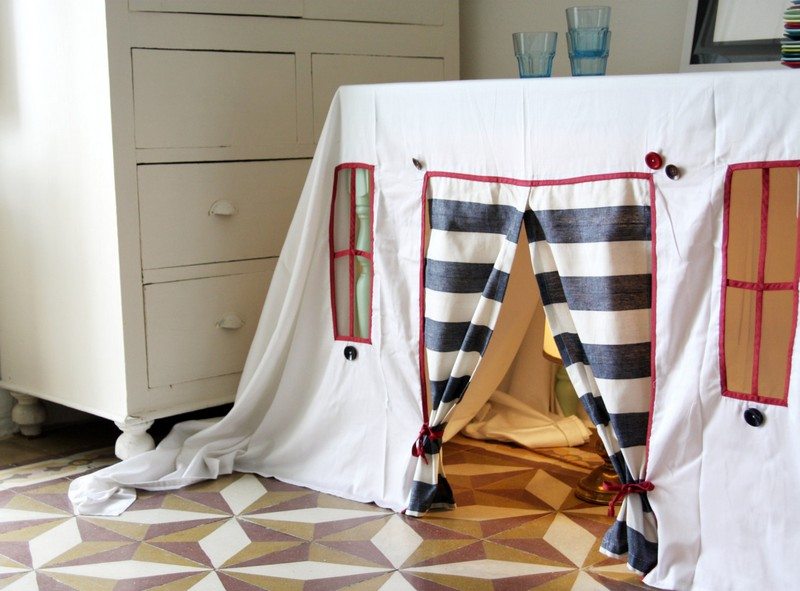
351 252
760 286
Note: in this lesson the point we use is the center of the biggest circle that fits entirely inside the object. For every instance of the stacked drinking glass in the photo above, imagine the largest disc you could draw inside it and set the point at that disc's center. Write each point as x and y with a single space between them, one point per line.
588 39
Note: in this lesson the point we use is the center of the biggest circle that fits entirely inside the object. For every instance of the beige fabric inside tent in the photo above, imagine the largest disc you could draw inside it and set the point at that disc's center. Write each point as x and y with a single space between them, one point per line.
510 397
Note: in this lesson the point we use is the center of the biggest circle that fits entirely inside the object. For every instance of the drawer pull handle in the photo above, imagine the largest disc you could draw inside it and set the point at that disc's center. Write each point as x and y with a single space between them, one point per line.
230 322
222 208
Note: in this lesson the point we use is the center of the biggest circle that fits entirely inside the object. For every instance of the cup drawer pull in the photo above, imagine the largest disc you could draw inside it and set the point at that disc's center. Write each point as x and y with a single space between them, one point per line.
222 208
230 322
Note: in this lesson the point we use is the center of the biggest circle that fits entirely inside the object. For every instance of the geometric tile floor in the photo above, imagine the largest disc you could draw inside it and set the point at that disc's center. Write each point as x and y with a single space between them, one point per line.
517 527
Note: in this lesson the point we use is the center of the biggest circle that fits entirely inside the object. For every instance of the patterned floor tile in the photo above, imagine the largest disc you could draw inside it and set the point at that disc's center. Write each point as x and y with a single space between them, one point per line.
517 527
47 470
224 543
570 539
549 489
397 541
19 582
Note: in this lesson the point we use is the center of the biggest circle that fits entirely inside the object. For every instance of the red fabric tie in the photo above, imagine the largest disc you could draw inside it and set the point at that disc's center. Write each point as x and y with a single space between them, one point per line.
418 449
623 490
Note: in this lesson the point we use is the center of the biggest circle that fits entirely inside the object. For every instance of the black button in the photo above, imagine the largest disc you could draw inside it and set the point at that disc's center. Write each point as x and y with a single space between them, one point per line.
754 417
673 172
417 163
350 352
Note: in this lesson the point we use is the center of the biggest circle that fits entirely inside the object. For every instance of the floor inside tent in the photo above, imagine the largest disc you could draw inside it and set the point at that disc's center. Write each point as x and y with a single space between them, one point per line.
517 527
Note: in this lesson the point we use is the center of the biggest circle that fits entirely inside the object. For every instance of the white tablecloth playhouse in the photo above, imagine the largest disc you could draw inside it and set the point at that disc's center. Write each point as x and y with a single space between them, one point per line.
660 216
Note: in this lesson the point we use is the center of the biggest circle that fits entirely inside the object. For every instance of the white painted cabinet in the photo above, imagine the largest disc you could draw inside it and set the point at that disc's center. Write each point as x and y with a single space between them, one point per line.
152 155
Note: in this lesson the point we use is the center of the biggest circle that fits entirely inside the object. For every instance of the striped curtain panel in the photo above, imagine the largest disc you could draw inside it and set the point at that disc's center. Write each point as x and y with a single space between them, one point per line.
472 240
590 245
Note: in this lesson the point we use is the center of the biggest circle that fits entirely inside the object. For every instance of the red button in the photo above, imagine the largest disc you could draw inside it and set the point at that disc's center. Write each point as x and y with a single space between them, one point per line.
653 160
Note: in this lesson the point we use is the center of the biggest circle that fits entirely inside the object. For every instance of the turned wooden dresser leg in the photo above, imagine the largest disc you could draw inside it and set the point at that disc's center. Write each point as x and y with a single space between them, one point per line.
28 414
134 439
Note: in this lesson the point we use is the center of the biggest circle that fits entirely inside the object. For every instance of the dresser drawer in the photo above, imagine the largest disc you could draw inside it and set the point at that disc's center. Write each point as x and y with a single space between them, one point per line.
251 7
213 99
427 12
418 12
212 212
203 327
330 71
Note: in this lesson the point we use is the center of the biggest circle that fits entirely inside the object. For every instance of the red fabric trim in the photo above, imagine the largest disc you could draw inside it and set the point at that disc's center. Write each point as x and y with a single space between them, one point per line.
653 313
332 254
418 449
755 398
369 255
762 263
726 214
623 490
353 252
541 183
794 311
423 374
354 165
764 164
766 286
352 243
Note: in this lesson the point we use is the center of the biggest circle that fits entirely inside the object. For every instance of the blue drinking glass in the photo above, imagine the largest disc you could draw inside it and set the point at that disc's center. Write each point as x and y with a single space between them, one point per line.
588 39
535 52
588 17
588 51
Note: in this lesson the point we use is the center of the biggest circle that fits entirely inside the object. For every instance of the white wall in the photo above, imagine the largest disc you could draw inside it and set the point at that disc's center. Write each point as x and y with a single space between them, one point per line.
647 35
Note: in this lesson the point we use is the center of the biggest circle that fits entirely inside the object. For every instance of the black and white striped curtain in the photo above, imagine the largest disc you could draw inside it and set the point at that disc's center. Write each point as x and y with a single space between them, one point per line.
590 245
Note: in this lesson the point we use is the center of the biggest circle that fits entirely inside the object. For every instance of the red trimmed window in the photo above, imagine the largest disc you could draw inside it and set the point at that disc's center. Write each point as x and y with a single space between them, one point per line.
351 241
758 311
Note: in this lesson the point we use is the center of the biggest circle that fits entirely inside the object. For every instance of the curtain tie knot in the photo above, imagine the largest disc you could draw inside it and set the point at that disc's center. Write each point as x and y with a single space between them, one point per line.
433 434
623 490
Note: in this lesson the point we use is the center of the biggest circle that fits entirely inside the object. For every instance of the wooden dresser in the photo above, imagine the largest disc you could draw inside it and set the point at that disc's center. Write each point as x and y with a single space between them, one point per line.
153 152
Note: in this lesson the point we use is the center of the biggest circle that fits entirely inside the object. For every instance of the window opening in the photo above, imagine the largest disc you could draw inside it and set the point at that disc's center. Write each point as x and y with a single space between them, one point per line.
760 278
351 248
